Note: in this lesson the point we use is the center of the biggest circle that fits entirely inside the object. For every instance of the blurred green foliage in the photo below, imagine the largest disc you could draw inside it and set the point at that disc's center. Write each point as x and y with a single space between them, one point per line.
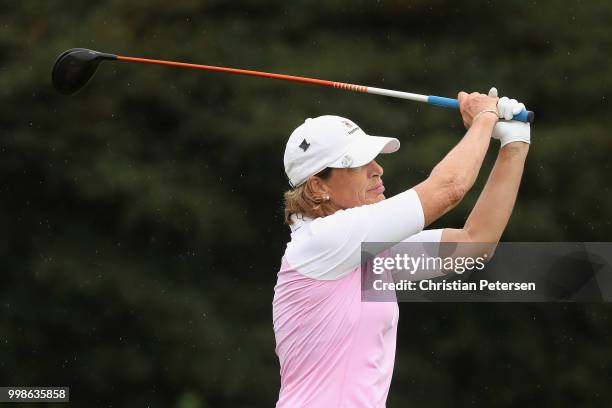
142 217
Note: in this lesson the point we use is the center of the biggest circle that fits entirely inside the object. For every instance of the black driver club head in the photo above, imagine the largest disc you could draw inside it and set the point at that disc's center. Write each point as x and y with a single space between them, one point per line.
74 67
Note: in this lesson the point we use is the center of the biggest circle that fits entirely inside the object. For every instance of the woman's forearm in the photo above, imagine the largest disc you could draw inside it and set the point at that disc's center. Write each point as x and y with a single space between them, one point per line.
462 164
492 211
451 179
455 174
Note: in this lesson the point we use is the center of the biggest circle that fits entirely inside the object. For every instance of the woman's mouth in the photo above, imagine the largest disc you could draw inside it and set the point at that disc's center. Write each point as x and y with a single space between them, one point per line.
378 189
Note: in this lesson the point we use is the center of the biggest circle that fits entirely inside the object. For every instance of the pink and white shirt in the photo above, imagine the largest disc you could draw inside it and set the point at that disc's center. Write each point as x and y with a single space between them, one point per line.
335 350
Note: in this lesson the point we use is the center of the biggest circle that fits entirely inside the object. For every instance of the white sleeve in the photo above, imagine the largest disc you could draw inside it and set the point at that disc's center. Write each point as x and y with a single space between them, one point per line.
434 235
329 248
425 243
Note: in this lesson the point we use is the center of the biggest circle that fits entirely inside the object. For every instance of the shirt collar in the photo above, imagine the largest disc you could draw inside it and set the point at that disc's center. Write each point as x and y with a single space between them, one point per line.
299 220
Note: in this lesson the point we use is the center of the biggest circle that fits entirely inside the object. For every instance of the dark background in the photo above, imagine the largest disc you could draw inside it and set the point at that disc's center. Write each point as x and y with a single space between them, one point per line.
142 219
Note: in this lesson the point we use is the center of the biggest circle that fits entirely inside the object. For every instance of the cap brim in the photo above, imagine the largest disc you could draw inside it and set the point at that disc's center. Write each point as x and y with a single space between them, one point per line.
365 149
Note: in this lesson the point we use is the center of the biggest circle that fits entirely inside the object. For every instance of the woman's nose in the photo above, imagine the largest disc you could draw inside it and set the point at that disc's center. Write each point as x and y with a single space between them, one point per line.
377 169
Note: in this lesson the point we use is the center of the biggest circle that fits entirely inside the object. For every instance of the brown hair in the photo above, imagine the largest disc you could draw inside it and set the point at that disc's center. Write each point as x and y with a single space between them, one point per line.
302 200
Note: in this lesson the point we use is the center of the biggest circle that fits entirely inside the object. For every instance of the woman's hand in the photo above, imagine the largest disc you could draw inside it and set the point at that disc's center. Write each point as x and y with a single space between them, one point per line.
508 130
475 104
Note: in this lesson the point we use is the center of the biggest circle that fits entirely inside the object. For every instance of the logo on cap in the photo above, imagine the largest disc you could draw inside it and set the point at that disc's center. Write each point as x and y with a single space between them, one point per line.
353 128
304 145
347 160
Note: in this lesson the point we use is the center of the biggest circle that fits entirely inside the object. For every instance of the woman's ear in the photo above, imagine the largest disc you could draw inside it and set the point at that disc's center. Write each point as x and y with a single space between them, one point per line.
318 189
317 186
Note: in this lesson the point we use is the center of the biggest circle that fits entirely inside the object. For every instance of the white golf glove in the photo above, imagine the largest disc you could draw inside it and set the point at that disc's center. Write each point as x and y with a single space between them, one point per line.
507 130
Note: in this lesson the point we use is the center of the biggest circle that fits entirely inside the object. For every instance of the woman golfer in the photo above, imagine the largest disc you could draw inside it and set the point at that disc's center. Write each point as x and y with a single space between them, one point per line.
334 349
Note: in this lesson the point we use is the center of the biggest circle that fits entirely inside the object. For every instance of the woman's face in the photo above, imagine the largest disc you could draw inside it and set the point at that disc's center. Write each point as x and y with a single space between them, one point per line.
355 187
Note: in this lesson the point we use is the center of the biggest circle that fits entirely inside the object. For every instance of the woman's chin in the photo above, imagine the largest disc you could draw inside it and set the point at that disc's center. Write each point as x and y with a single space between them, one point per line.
377 198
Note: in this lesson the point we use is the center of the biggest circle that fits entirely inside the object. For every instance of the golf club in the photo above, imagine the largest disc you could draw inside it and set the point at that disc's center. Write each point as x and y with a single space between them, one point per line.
74 67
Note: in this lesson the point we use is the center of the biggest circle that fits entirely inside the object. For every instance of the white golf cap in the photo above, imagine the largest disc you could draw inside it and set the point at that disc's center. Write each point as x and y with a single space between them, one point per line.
331 141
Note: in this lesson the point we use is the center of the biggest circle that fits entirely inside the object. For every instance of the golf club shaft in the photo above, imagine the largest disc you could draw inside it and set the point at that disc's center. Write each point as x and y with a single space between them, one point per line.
524 116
